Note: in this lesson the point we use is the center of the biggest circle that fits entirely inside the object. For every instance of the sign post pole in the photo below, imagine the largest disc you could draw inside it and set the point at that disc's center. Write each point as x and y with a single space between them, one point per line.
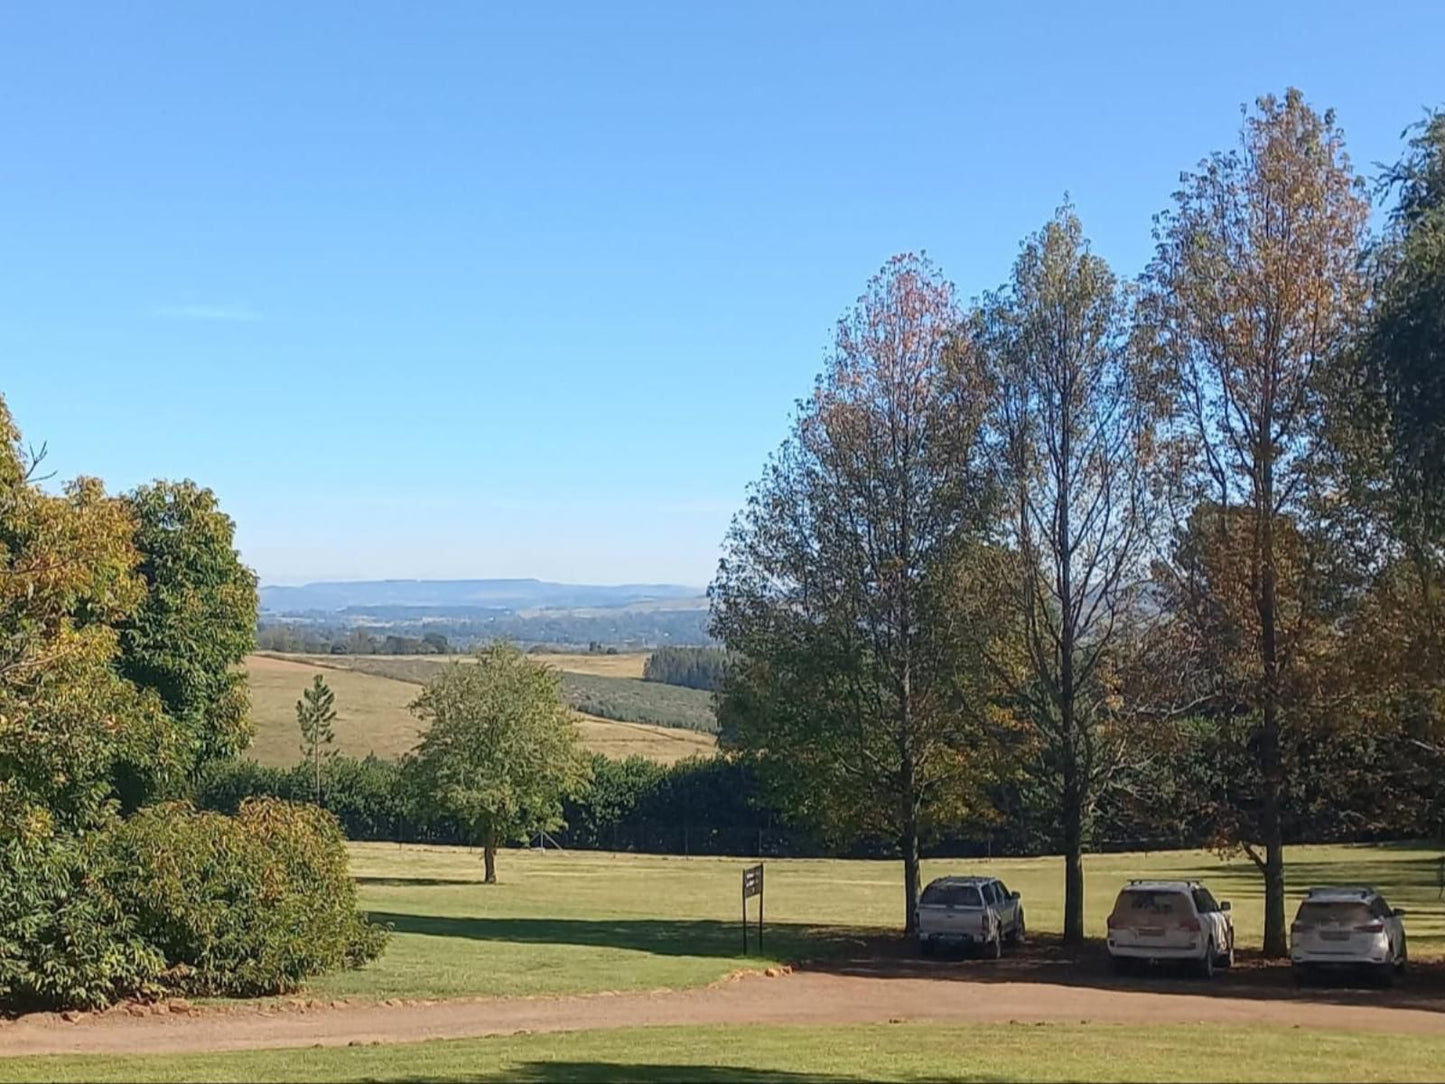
753 886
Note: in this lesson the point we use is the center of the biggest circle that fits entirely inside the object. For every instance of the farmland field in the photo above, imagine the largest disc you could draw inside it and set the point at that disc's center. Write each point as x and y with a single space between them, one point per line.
372 716
597 685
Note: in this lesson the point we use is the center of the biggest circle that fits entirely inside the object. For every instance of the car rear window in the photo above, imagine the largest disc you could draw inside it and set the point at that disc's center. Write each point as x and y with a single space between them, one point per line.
951 896
1150 903
1322 913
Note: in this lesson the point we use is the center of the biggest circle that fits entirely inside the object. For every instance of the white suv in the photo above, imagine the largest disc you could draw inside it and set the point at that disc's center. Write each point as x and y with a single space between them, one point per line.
1347 928
1155 921
969 912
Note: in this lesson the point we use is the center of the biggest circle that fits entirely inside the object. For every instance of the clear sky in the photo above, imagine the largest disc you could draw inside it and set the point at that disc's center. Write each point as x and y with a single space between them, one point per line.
483 289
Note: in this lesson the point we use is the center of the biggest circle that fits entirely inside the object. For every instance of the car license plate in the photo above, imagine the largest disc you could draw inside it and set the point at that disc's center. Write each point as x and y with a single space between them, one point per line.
1334 935
1150 931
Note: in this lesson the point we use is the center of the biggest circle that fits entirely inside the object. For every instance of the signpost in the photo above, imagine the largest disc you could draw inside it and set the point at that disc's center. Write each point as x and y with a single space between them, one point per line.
753 886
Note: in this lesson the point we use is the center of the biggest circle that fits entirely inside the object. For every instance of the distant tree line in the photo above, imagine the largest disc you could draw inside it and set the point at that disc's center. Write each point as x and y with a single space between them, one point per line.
691 667
625 630
311 640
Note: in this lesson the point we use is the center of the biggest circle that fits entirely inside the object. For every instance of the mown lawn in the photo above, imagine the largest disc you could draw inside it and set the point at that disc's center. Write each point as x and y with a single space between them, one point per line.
582 921
783 1055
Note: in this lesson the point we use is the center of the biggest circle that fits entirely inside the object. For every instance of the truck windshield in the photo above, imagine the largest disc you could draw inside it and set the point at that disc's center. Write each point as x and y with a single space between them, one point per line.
937 895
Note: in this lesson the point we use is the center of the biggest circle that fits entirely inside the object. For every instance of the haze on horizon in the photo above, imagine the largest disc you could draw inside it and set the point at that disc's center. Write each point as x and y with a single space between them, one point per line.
476 292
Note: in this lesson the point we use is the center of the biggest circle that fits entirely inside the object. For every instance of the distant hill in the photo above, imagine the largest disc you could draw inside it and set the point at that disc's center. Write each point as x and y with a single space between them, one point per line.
456 597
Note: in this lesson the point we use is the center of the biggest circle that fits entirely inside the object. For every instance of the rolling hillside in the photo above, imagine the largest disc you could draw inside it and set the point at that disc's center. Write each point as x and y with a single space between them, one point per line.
607 686
372 715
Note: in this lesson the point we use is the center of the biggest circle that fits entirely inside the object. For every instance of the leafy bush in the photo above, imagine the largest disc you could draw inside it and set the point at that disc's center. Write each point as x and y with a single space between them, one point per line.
65 939
241 906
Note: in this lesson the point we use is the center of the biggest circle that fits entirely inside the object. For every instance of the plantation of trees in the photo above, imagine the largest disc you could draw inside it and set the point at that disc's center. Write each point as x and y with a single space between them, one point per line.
691 667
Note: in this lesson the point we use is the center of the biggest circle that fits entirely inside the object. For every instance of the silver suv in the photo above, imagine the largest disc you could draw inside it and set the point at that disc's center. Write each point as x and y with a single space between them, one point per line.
1341 927
1160 921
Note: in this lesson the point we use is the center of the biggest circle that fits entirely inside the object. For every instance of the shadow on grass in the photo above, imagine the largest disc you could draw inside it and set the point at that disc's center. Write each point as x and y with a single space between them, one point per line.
661 937
418 882
1045 960
548 1072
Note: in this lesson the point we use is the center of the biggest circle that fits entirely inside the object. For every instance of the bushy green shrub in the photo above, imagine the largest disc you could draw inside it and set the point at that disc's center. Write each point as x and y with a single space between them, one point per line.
65 940
241 906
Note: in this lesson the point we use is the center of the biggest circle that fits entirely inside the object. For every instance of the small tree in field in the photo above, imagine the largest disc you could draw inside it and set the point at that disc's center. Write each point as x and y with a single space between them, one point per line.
500 751
315 714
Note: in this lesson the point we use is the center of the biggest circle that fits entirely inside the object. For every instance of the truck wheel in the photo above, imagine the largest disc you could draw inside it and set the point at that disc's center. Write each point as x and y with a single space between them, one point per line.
994 949
1206 965
1227 960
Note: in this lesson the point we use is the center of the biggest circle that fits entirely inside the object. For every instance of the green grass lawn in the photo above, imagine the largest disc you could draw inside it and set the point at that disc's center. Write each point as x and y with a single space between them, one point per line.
583 921
782 1055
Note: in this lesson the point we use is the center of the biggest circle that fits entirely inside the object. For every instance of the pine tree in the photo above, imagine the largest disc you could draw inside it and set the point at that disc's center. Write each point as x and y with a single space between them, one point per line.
315 712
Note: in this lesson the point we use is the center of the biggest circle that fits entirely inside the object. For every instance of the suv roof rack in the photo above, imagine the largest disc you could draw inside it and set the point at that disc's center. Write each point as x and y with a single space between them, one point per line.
1161 881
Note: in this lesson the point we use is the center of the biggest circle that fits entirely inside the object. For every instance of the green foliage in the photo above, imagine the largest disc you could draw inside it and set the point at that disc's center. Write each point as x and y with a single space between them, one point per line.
241 906
66 939
856 690
692 667
602 814
1404 345
366 795
315 716
197 619
67 720
500 749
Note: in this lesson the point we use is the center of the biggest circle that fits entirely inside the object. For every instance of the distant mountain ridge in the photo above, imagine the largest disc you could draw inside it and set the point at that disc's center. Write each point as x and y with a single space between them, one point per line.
456 595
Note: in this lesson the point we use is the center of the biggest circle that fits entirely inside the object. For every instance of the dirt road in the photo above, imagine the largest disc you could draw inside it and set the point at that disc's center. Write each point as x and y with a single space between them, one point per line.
838 996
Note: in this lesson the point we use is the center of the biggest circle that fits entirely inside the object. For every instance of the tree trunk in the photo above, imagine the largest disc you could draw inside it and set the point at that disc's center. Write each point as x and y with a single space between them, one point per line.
1073 860
489 855
909 845
1270 762
1073 790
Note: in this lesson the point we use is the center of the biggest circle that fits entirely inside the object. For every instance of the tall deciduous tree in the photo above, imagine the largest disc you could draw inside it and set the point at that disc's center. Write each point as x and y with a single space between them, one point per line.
500 751
1076 421
67 577
316 718
1254 286
833 592
197 619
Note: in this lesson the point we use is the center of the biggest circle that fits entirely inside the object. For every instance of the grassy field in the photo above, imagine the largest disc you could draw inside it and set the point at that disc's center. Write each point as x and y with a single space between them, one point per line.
628 665
589 690
372 716
784 1055
576 922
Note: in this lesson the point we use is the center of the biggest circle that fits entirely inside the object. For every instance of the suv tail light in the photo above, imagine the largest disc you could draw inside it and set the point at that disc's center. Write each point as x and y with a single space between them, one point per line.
1190 924
1114 922
1371 927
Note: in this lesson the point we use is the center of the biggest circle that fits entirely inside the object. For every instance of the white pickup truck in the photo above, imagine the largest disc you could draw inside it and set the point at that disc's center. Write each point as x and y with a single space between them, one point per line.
969 913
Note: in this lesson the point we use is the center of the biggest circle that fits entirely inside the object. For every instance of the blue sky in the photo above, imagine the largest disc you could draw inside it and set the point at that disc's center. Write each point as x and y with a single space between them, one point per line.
474 289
